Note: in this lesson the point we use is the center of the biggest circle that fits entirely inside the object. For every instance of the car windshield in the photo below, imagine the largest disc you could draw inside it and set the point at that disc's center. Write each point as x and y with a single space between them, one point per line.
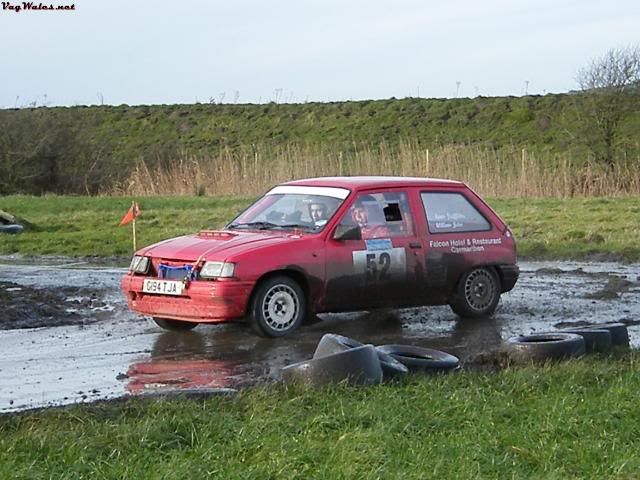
289 207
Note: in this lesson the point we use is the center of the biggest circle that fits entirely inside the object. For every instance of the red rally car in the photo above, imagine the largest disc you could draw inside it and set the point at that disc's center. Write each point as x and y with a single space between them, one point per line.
331 245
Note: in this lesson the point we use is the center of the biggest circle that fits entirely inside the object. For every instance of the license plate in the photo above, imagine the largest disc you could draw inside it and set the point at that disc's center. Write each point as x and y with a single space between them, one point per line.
163 287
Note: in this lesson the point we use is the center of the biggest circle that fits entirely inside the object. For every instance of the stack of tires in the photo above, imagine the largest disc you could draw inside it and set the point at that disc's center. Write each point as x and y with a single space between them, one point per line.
339 359
567 343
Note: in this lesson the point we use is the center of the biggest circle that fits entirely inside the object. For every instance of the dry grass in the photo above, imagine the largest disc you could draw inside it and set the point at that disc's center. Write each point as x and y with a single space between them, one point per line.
505 173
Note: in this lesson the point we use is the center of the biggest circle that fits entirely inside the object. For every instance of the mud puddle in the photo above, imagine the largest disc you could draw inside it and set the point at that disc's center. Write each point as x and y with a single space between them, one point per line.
29 307
88 346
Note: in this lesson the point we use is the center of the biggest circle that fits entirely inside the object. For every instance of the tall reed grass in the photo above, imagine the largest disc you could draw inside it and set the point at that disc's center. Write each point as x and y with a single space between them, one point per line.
512 172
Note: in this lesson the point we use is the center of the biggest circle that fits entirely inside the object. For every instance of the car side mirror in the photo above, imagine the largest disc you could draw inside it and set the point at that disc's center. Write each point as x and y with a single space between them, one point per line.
347 232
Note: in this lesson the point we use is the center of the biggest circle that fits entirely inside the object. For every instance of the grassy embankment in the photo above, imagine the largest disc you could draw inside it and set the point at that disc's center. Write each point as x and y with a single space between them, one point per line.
571 420
79 226
239 149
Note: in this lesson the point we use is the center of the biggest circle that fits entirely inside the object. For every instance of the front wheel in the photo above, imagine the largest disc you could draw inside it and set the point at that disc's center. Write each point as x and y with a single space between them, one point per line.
174 325
278 307
477 293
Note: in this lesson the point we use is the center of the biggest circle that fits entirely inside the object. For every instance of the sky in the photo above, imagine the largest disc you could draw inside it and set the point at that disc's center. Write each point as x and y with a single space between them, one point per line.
243 51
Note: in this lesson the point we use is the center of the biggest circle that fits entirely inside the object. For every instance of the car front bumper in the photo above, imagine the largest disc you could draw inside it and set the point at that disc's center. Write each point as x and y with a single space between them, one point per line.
202 301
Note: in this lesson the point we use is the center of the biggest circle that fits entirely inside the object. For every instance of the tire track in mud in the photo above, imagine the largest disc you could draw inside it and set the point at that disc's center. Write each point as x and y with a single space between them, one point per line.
70 337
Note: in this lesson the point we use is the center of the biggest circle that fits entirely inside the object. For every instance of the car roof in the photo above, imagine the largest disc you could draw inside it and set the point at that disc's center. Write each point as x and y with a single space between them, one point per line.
367 182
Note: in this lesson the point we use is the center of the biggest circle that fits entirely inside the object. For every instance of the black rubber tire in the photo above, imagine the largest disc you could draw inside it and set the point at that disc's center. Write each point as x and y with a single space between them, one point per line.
271 304
477 293
544 346
420 359
332 343
355 366
174 325
595 339
619 333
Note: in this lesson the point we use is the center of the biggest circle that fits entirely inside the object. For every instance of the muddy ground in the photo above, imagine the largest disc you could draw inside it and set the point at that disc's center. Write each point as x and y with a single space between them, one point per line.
67 335
29 307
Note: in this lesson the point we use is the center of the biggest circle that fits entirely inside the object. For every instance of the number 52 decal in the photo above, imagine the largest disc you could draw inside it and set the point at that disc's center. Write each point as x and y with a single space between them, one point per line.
384 260
380 265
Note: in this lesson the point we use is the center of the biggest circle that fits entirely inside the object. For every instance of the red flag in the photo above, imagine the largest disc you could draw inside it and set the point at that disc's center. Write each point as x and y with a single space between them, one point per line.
131 215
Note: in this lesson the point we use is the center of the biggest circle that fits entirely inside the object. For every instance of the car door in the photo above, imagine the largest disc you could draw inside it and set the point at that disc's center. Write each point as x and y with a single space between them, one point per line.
377 263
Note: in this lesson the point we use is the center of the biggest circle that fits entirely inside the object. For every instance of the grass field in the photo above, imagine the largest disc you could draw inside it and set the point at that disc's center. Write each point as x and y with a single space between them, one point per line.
574 228
571 420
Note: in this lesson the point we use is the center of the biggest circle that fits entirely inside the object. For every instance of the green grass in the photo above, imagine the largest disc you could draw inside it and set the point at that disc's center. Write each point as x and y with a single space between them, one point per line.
86 226
570 420
534 121
574 228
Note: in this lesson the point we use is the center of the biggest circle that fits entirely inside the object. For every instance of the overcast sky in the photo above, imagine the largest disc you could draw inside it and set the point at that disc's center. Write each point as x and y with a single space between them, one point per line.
186 51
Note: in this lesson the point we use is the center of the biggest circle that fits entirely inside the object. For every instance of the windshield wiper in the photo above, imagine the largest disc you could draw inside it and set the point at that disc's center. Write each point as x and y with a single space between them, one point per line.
297 225
258 225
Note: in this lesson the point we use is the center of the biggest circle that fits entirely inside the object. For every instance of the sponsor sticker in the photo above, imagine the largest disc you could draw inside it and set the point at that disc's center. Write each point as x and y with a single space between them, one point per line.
468 245
378 244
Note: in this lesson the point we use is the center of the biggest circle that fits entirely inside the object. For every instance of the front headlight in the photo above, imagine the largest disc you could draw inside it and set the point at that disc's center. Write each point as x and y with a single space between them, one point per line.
217 270
139 264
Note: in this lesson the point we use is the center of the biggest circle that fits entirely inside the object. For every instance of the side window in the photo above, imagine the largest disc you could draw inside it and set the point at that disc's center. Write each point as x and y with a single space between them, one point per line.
452 213
380 215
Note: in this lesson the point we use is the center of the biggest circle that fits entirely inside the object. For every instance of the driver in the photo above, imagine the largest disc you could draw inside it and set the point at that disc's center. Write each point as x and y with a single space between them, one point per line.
318 212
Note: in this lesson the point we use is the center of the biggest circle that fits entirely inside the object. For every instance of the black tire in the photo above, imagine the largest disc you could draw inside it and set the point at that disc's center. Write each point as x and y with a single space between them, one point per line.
331 344
355 366
174 325
595 339
619 333
477 293
278 307
419 359
545 346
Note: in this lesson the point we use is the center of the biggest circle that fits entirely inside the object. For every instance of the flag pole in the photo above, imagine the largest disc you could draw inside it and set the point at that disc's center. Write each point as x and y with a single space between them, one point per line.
133 207
134 235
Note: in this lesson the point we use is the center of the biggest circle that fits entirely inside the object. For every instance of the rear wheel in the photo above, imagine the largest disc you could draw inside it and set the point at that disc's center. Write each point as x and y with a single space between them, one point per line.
278 307
477 294
174 325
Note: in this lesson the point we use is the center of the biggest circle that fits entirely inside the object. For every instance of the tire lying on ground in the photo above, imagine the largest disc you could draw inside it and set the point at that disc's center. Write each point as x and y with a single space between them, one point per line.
11 228
9 223
332 343
618 331
545 346
595 339
420 359
355 366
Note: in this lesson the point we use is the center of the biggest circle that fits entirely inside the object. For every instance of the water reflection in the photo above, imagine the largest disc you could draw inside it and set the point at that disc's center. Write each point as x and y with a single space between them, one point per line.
227 356
179 360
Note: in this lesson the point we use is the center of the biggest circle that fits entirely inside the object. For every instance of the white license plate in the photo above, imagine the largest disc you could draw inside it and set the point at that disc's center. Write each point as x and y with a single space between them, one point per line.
163 287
